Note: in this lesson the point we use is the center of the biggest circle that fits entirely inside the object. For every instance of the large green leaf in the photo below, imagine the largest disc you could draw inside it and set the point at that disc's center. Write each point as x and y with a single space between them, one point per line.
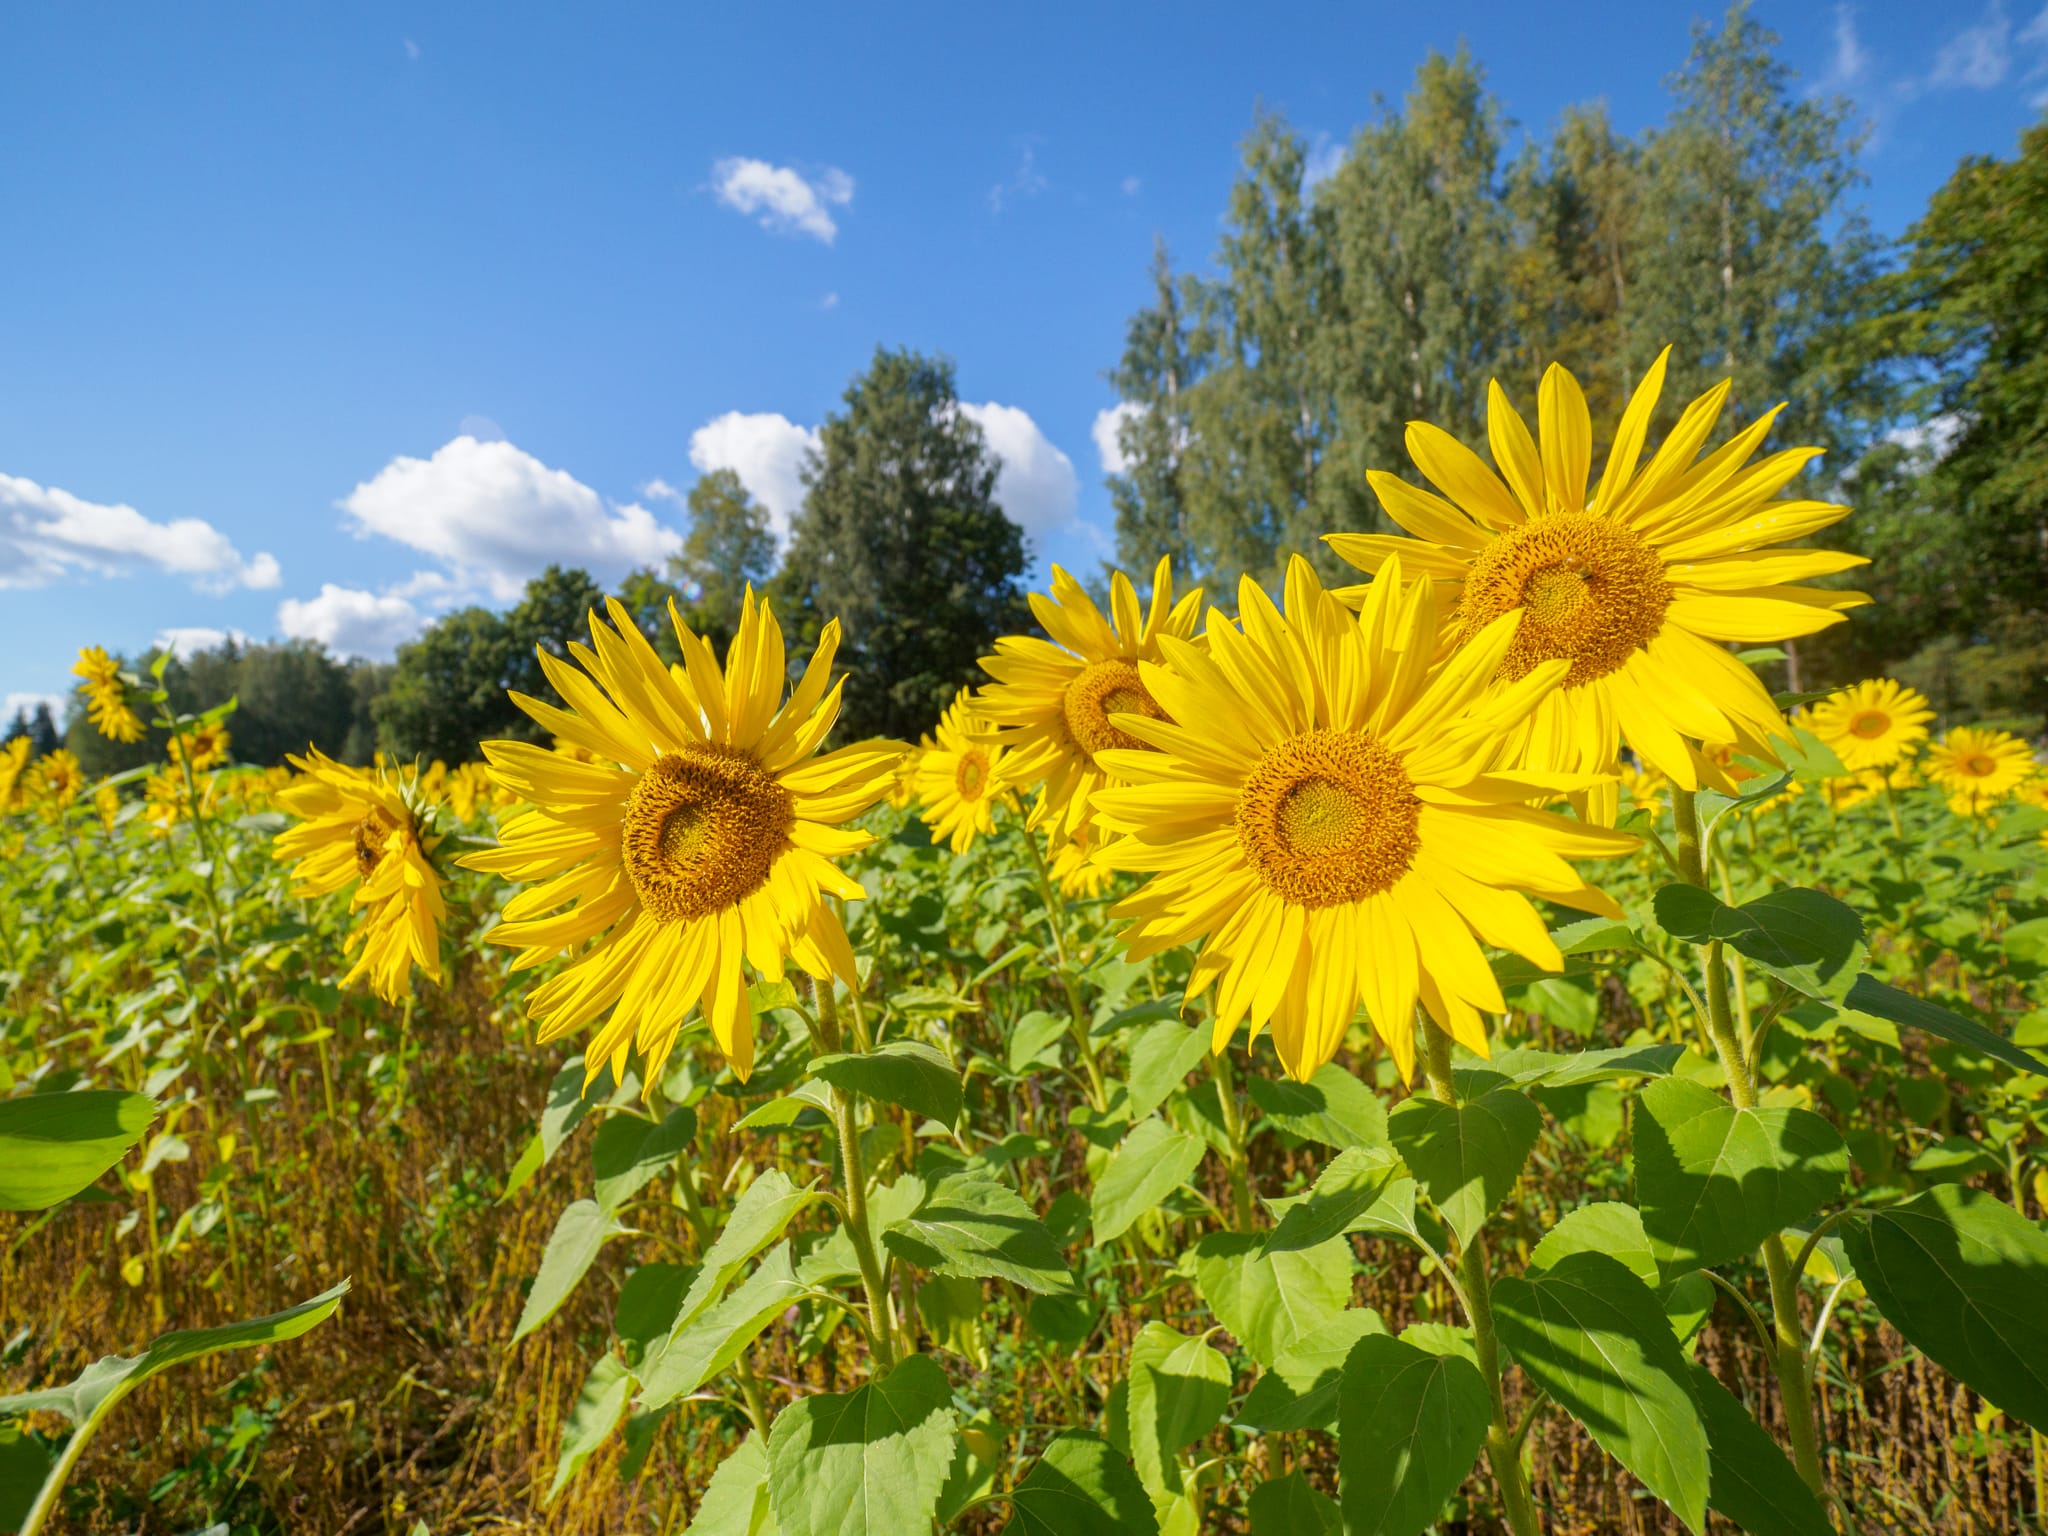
1162 1055
869 1462
1409 1426
593 1417
1530 1068
1751 1481
1288 1506
1871 996
1271 1302
1965 1278
1606 1226
1148 1165
705 1345
565 1110
580 1231
1589 1332
1178 1388
1300 1390
630 1153
906 1073
1080 1487
52 1145
1805 938
759 1217
736 1499
973 1226
1467 1156
1714 1181
24 1464
1333 1108
1360 1189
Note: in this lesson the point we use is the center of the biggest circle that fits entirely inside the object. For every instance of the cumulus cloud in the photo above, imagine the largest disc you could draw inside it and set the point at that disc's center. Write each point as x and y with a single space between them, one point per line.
1036 484
352 622
767 451
1107 431
185 640
1977 57
496 517
47 534
786 202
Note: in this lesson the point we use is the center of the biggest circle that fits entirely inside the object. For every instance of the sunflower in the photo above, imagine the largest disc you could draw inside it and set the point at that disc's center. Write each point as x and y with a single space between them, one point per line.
1329 822
961 778
699 843
1052 699
205 745
53 782
1631 585
1872 724
1075 867
903 786
106 695
1976 766
106 803
360 825
13 762
1644 786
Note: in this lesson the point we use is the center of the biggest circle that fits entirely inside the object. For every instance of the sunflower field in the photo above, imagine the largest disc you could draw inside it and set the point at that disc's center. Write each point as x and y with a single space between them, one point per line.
1447 1053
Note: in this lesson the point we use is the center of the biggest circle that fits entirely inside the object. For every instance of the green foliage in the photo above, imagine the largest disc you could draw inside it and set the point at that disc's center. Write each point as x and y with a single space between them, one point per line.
52 1145
1410 1425
869 1462
729 548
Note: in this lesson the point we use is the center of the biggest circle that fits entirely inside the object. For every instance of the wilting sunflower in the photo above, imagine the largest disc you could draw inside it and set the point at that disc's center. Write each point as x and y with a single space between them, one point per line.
362 826
1328 820
701 841
961 778
1632 583
1052 699
1872 724
1977 766
106 696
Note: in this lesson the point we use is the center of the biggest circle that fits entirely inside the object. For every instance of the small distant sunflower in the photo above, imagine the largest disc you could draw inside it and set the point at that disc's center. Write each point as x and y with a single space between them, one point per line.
1872 724
1327 819
1052 699
106 802
53 782
961 778
106 695
1633 584
698 843
205 745
1977 766
1076 869
360 826
13 761
1644 786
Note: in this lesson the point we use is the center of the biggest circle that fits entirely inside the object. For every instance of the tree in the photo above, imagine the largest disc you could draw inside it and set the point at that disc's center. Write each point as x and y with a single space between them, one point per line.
1157 370
729 548
901 539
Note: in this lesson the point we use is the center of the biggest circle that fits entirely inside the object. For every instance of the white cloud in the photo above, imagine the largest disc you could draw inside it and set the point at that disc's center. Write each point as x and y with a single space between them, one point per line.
1851 61
352 622
482 428
767 451
1028 181
829 301
1977 57
184 640
47 534
497 516
1036 484
24 704
787 203
1935 436
1108 426
1132 186
1325 157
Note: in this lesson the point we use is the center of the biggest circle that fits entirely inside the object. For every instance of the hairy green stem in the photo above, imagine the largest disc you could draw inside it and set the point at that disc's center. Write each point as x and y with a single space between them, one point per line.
1503 1439
1242 1210
846 1122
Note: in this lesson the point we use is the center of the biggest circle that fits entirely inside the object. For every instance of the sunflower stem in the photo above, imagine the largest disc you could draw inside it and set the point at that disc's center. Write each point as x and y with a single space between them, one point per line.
1788 1355
846 1123
700 1229
1503 1438
1242 1210
1055 917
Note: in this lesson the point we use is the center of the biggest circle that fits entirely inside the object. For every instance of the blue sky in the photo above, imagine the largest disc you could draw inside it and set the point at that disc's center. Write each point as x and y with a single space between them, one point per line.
319 319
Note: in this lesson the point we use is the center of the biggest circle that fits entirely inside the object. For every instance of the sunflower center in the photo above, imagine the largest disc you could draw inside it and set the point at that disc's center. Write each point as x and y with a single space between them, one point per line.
1329 817
370 836
1870 724
703 828
1979 766
970 775
1107 688
1592 592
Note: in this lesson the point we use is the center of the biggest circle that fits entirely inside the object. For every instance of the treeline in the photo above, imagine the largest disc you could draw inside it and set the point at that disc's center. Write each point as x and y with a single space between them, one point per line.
899 538
1438 256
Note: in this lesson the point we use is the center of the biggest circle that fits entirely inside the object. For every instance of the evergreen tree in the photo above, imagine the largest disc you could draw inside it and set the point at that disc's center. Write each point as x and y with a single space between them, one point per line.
900 537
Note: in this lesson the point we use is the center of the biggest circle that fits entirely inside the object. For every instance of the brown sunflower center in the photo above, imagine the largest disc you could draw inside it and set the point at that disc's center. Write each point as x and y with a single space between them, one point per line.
370 836
1870 724
1329 817
702 830
970 774
1107 688
1592 592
